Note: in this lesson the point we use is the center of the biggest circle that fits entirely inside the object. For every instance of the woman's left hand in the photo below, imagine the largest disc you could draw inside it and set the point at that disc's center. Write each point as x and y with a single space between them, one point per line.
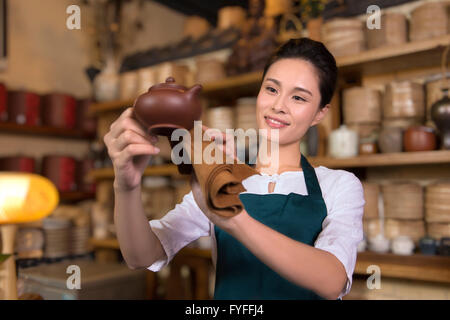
227 224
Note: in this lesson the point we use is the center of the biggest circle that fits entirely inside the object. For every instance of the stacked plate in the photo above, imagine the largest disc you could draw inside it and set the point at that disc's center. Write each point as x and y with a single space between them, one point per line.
221 118
79 240
57 237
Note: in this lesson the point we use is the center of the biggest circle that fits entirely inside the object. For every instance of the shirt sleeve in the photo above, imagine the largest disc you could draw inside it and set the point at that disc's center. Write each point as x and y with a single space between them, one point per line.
342 229
179 227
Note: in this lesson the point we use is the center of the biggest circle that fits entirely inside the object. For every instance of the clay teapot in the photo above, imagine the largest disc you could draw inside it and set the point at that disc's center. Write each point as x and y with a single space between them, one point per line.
440 113
168 106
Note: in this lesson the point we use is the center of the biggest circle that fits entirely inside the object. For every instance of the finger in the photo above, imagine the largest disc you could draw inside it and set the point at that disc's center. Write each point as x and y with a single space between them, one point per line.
135 150
128 123
129 137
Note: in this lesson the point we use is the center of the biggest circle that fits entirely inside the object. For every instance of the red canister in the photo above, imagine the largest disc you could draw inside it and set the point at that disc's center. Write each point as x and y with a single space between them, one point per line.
3 104
59 110
24 108
419 138
61 170
17 164
83 168
85 122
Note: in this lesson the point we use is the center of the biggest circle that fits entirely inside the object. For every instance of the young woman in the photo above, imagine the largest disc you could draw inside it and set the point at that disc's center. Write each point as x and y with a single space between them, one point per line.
297 237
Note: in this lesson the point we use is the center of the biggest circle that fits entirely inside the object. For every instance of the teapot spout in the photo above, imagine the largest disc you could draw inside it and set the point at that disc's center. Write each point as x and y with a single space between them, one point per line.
194 91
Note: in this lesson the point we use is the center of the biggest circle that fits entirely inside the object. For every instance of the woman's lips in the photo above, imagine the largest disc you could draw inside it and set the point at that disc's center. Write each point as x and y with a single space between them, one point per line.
275 123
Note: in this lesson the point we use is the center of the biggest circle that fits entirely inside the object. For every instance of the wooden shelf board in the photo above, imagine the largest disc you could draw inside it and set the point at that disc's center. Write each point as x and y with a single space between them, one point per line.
415 267
385 159
160 170
9 127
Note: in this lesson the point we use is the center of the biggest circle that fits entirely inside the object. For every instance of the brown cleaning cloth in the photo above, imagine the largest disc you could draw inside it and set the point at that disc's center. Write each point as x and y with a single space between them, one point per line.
220 183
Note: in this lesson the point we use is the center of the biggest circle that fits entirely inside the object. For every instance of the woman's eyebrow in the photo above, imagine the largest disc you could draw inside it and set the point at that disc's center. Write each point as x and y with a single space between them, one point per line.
296 88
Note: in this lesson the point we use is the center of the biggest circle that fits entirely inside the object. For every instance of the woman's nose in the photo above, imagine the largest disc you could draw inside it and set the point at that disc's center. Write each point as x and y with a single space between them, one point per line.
279 106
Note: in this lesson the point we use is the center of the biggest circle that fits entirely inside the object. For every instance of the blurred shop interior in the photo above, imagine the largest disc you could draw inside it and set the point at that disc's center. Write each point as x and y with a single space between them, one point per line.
63 84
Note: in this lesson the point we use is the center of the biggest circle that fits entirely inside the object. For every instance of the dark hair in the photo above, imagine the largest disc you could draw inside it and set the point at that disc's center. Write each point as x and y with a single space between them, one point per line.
317 54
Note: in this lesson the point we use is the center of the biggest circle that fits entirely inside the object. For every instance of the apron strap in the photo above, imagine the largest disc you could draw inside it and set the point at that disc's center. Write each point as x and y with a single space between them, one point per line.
312 184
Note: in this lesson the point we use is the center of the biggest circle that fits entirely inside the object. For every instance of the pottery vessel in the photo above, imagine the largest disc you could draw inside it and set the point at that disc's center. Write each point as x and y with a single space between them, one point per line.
440 114
419 138
168 106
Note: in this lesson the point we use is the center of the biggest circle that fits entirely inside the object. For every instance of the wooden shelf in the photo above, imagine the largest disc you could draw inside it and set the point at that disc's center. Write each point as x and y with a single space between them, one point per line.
385 159
375 160
389 59
415 267
8 127
161 170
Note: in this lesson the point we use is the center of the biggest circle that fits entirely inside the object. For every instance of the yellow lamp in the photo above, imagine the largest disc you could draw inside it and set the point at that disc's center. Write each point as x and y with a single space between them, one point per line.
24 197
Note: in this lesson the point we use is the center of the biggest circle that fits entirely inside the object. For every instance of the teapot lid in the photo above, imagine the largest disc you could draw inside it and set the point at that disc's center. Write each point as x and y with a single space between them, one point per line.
169 84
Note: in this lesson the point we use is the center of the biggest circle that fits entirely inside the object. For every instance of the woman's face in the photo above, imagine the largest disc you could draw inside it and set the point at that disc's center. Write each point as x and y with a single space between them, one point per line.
289 93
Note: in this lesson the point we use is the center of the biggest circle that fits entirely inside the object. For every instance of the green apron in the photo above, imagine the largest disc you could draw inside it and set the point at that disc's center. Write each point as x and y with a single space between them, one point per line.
241 275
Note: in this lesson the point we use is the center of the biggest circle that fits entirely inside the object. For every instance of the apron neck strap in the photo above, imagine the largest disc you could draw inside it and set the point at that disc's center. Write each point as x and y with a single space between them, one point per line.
312 184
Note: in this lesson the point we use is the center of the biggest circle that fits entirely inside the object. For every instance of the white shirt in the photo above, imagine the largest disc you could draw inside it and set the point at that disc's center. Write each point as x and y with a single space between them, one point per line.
342 228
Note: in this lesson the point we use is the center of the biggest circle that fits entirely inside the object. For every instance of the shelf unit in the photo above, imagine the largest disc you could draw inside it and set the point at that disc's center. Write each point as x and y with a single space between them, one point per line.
421 55
414 267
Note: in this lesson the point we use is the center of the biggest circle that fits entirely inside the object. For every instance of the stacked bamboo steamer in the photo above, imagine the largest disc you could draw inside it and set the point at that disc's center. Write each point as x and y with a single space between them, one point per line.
393 31
157 196
57 237
221 118
371 217
403 104
429 20
343 36
437 209
404 210
362 110
209 70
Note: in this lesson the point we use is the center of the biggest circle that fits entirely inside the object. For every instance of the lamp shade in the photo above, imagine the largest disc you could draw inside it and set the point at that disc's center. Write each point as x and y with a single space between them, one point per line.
26 197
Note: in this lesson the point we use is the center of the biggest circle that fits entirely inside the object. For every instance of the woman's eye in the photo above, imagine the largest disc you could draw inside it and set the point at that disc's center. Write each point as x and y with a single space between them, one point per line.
273 90
298 98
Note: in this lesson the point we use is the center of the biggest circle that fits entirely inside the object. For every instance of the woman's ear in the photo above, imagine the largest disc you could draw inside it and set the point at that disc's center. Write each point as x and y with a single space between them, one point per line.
321 113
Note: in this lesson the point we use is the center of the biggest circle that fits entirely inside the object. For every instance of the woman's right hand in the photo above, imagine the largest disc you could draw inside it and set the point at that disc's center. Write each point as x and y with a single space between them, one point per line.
130 148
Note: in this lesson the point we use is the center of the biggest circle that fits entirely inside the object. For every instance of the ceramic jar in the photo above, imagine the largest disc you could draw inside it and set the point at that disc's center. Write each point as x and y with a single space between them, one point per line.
343 143
419 138
106 84
390 139
402 245
440 114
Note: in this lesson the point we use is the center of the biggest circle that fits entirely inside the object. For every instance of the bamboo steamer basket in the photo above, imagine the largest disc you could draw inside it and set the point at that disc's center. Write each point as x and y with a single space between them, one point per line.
275 8
232 16
365 129
437 202
195 27
372 227
371 196
209 70
415 229
393 31
403 201
362 104
438 230
404 99
428 21
344 36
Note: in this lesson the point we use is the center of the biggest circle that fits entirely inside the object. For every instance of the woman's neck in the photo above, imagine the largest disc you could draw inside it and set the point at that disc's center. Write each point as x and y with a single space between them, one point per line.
287 158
